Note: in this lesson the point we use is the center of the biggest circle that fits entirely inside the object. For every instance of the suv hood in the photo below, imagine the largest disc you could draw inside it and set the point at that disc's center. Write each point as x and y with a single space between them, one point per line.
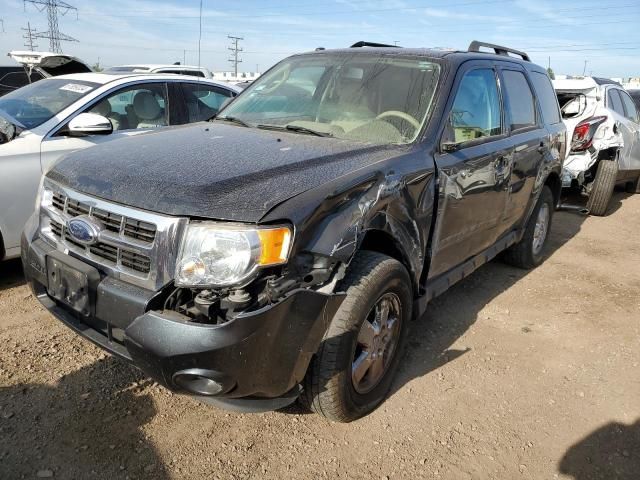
51 64
213 170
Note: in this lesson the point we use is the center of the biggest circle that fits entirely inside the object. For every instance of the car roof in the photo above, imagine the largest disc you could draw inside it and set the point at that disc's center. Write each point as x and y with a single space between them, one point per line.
107 77
153 66
568 82
449 54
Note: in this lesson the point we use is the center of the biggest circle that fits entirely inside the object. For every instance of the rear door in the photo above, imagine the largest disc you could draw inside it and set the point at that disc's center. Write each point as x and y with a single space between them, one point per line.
629 129
633 118
529 139
473 168
203 100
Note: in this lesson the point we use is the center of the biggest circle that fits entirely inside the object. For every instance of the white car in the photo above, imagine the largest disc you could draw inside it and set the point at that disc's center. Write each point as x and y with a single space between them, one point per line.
604 124
45 120
160 68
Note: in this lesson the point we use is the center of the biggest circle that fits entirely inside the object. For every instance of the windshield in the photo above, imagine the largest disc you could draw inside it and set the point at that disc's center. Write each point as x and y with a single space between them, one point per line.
34 104
372 98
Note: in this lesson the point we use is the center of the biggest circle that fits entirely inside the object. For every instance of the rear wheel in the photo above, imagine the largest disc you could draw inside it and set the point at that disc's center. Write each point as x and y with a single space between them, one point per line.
354 367
529 251
602 187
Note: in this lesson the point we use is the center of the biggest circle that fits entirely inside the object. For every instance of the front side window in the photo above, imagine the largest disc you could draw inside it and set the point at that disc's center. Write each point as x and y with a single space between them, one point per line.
135 107
34 104
203 101
361 96
476 108
519 100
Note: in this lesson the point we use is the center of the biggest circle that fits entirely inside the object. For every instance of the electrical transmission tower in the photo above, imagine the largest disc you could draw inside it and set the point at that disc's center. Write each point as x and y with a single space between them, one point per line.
235 51
29 37
53 7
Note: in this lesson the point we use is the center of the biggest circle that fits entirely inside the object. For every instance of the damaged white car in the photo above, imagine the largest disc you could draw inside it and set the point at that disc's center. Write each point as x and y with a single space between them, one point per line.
604 125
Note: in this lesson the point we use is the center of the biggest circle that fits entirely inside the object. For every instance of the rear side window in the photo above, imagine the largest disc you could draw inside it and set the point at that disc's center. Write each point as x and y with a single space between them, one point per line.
546 96
614 102
629 107
519 100
476 108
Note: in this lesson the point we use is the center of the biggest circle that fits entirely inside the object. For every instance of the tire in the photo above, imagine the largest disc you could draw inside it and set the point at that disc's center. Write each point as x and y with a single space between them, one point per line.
602 187
330 387
529 251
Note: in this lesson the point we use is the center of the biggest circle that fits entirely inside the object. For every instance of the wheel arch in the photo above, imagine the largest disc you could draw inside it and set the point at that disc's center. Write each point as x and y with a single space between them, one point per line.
554 183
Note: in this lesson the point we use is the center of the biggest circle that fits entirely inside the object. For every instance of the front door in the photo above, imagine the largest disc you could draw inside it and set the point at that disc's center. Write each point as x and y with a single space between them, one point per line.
474 169
132 110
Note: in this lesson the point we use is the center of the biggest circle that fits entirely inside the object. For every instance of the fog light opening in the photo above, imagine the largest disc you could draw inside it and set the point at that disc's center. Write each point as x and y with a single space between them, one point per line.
197 383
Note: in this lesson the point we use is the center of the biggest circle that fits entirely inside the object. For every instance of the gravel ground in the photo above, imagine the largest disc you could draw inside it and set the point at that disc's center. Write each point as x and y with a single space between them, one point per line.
509 375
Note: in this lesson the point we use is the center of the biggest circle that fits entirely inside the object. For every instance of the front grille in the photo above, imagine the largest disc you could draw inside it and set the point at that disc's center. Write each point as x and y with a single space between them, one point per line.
135 246
128 258
128 227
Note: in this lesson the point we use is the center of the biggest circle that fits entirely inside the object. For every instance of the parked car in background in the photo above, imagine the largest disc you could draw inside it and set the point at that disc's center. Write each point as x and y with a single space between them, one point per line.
41 122
155 68
604 126
36 66
282 249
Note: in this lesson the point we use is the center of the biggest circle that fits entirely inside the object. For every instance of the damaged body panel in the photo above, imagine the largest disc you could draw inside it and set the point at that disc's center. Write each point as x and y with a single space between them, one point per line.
364 178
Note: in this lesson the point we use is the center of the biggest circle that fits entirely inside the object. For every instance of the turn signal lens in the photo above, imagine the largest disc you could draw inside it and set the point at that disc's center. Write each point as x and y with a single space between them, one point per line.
274 245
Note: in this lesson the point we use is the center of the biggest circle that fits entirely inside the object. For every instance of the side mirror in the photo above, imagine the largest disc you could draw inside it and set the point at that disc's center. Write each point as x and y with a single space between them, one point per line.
450 147
89 124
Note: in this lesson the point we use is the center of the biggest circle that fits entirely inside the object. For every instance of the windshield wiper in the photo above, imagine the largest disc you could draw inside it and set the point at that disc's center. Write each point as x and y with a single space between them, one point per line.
235 120
296 129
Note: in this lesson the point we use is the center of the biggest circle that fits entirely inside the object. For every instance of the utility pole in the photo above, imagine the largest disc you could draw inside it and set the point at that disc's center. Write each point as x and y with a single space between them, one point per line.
584 70
29 37
54 35
1 25
235 51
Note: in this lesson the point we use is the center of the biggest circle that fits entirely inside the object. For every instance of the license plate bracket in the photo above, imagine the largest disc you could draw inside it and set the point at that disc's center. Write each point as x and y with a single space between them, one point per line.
72 282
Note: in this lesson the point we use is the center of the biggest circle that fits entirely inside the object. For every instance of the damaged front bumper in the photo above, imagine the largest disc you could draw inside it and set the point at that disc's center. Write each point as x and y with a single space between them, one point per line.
254 361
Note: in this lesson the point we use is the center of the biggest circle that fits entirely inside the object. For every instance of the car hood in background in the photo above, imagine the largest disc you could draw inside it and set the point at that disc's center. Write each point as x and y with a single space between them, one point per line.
53 64
213 170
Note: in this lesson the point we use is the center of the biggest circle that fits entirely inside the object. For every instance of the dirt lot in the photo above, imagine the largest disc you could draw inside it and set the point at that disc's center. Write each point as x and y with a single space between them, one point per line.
510 375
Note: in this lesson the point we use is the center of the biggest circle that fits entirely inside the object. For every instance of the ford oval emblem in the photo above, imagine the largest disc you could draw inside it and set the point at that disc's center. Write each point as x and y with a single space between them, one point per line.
84 229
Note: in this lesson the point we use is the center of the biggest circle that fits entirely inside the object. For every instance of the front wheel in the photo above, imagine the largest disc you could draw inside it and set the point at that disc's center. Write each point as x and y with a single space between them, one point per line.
353 369
529 251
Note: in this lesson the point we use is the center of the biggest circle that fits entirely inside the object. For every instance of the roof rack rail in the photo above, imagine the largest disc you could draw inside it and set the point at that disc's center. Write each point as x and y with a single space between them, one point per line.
498 49
371 44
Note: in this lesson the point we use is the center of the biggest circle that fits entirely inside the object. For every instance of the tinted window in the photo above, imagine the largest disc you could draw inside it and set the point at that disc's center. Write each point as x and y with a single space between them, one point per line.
203 101
476 108
629 107
614 102
635 94
137 107
546 96
519 100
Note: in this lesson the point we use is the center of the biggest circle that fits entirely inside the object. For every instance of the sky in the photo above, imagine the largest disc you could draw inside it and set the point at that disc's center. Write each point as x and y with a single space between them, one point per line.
116 32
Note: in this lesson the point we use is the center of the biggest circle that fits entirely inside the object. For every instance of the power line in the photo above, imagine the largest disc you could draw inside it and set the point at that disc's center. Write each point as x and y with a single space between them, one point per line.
235 51
29 37
53 7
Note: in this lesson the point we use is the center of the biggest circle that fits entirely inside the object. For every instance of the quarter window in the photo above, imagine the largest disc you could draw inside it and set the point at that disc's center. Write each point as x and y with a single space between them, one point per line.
140 106
520 103
476 108
546 96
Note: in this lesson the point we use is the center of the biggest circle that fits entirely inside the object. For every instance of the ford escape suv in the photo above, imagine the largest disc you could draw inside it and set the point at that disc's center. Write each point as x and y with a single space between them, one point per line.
280 250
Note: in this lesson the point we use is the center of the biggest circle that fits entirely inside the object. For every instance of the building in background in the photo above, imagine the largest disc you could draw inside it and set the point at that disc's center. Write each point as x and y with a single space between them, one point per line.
232 78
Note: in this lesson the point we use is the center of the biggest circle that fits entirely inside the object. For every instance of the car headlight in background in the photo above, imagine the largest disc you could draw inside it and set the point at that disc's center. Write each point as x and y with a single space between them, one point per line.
214 254
44 196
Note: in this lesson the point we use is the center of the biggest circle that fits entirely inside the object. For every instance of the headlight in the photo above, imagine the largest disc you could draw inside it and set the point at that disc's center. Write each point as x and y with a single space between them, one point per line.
214 254
44 196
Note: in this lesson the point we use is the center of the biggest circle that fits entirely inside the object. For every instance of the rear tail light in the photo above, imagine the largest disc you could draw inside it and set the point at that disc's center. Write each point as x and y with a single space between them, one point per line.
584 132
